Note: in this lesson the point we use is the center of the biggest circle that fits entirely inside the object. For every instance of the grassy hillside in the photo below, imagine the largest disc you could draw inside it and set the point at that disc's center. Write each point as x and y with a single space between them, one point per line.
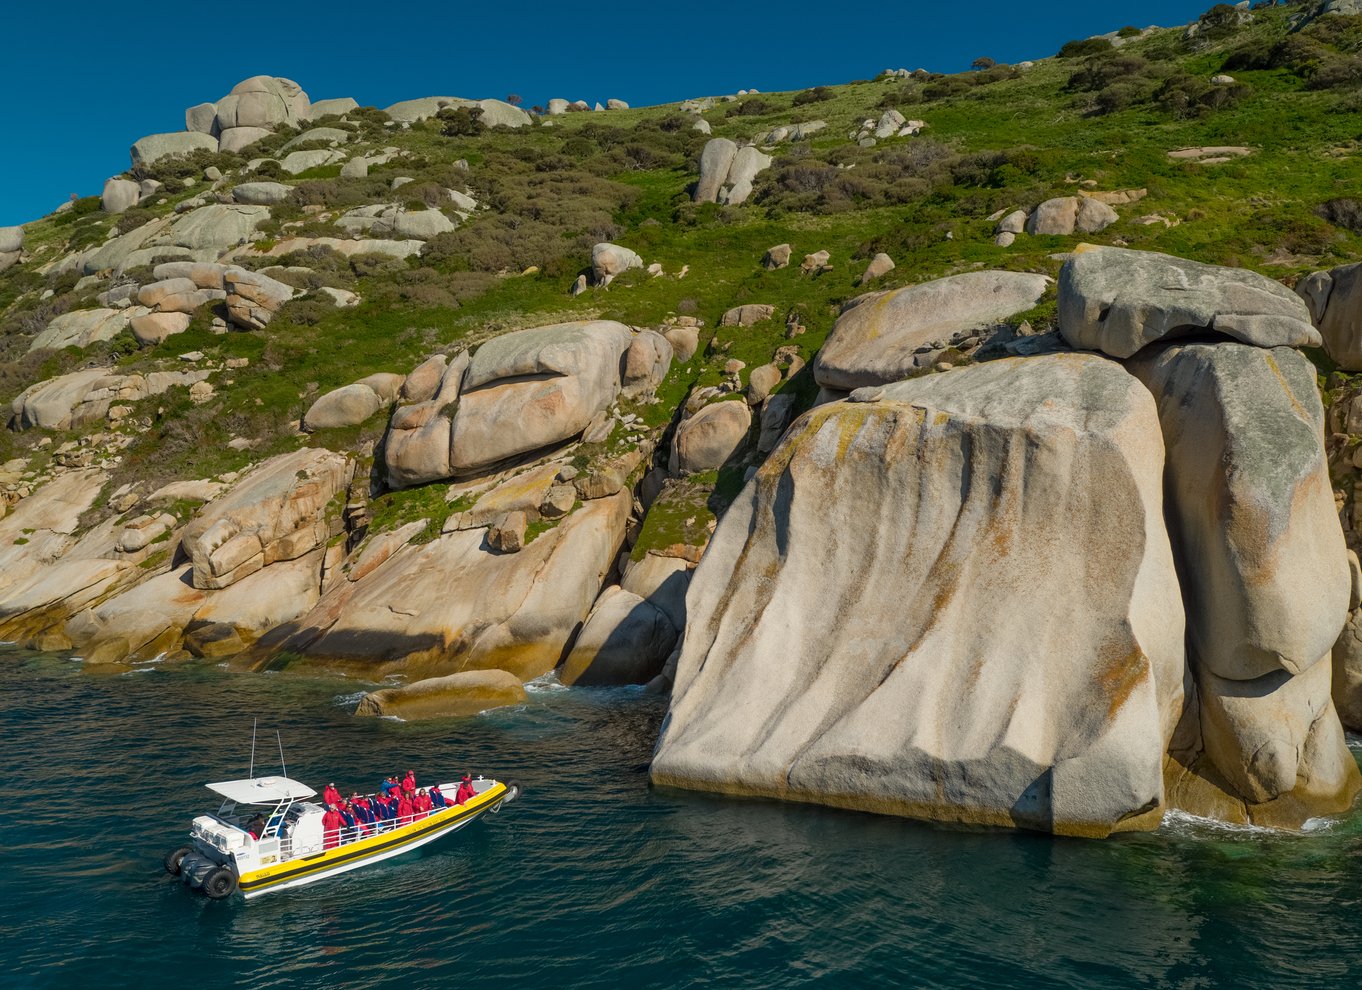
996 139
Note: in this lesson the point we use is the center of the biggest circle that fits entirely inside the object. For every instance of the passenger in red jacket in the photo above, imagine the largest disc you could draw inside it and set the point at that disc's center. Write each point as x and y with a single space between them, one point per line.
438 800
409 783
330 795
421 804
404 810
332 823
465 791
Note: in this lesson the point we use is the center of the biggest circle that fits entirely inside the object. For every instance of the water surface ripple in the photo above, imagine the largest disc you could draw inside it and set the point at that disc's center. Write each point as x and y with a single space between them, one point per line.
594 879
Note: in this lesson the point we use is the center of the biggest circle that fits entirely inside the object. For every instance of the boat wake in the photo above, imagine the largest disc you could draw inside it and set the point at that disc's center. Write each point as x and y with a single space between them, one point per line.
1186 823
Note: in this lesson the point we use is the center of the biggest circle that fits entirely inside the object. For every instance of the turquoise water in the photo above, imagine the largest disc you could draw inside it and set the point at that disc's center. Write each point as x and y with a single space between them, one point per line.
594 879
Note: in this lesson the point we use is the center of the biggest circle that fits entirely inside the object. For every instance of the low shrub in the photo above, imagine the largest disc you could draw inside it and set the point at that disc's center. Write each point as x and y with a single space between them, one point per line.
1085 48
817 94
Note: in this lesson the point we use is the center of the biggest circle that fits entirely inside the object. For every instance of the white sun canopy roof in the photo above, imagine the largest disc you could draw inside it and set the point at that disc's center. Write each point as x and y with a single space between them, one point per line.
262 790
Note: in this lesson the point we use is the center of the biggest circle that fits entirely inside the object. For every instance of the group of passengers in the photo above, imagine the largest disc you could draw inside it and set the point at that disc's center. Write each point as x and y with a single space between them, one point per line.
395 804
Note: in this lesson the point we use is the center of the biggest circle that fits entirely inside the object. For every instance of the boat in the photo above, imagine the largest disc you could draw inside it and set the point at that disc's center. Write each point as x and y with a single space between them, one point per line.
268 836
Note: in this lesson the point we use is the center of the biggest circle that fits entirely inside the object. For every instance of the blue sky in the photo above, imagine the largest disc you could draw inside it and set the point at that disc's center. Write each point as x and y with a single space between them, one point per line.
87 80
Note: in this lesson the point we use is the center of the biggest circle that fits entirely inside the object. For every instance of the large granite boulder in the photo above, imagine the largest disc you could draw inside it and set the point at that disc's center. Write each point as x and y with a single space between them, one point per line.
11 246
276 512
82 397
83 327
417 447
338 107
1335 301
257 106
625 640
261 193
952 698
451 696
154 147
706 441
715 161
349 405
495 113
1250 505
1116 301
647 360
609 260
119 194
530 389
888 335
453 604
253 298
747 163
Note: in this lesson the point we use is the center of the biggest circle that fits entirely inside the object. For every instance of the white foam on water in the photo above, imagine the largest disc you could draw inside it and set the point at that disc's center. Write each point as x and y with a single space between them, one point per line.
546 684
392 718
138 670
1186 822
348 700
1318 824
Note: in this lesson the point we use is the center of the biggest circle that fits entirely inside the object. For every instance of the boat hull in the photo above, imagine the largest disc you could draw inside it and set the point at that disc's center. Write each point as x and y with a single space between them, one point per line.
374 849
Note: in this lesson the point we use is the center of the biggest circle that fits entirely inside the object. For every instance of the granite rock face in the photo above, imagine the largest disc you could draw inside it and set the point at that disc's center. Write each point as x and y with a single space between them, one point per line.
1117 301
959 491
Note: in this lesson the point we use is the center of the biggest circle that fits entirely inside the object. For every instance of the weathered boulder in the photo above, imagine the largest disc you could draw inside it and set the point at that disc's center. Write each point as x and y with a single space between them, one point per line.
1069 214
262 193
386 220
154 147
662 582
888 335
451 696
507 534
202 117
253 298
1346 658
776 257
625 640
418 443
705 441
339 107
715 162
647 360
685 342
330 135
962 491
495 113
177 295
452 605
349 405
562 376
879 266
747 314
119 194
609 260
11 246
276 512
1116 301
146 620
263 101
424 381
235 139
747 163
83 327
84 396
521 493
1250 506
1335 302
153 328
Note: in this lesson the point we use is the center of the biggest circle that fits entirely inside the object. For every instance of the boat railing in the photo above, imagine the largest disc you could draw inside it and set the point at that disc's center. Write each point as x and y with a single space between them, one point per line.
346 834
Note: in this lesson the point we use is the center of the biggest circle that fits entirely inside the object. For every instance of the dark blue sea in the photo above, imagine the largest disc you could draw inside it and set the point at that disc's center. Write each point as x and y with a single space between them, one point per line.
593 878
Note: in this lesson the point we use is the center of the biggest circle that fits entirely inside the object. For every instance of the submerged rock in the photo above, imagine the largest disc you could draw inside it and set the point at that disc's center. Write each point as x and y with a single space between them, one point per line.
453 695
963 492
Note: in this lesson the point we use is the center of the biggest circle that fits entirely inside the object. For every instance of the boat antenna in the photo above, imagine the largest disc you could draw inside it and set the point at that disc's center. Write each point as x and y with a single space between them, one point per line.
251 774
281 752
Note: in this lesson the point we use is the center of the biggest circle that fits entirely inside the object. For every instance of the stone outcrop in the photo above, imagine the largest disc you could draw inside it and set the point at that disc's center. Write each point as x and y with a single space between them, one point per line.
962 491
253 298
451 696
86 396
495 113
886 336
11 246
83 327
154 147
747 314
276 512
453 604
625 640
727 171
706 441
119 194
1116 301
417 448
610 260
647 360
1335 302
255 108
1265 577
349 405
1071 214
531 389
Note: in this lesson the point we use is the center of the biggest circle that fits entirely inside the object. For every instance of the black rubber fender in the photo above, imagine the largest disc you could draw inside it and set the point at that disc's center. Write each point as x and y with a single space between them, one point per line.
175 857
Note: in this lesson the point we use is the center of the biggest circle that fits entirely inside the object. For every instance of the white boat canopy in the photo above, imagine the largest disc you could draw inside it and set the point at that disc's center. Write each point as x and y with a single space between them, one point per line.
262 790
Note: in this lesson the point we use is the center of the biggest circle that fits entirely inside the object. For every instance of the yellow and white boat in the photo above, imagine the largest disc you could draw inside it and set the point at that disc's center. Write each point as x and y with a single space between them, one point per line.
225 855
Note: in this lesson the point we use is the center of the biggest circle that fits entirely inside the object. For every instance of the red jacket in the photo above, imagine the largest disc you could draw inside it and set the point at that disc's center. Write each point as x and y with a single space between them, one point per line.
332 823
404 810
409 782
465 792
330 795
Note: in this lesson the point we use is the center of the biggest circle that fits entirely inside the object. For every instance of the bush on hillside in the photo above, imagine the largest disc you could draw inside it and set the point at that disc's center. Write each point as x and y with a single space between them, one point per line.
753 106
1085 48
461 121
815 95
1186 96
